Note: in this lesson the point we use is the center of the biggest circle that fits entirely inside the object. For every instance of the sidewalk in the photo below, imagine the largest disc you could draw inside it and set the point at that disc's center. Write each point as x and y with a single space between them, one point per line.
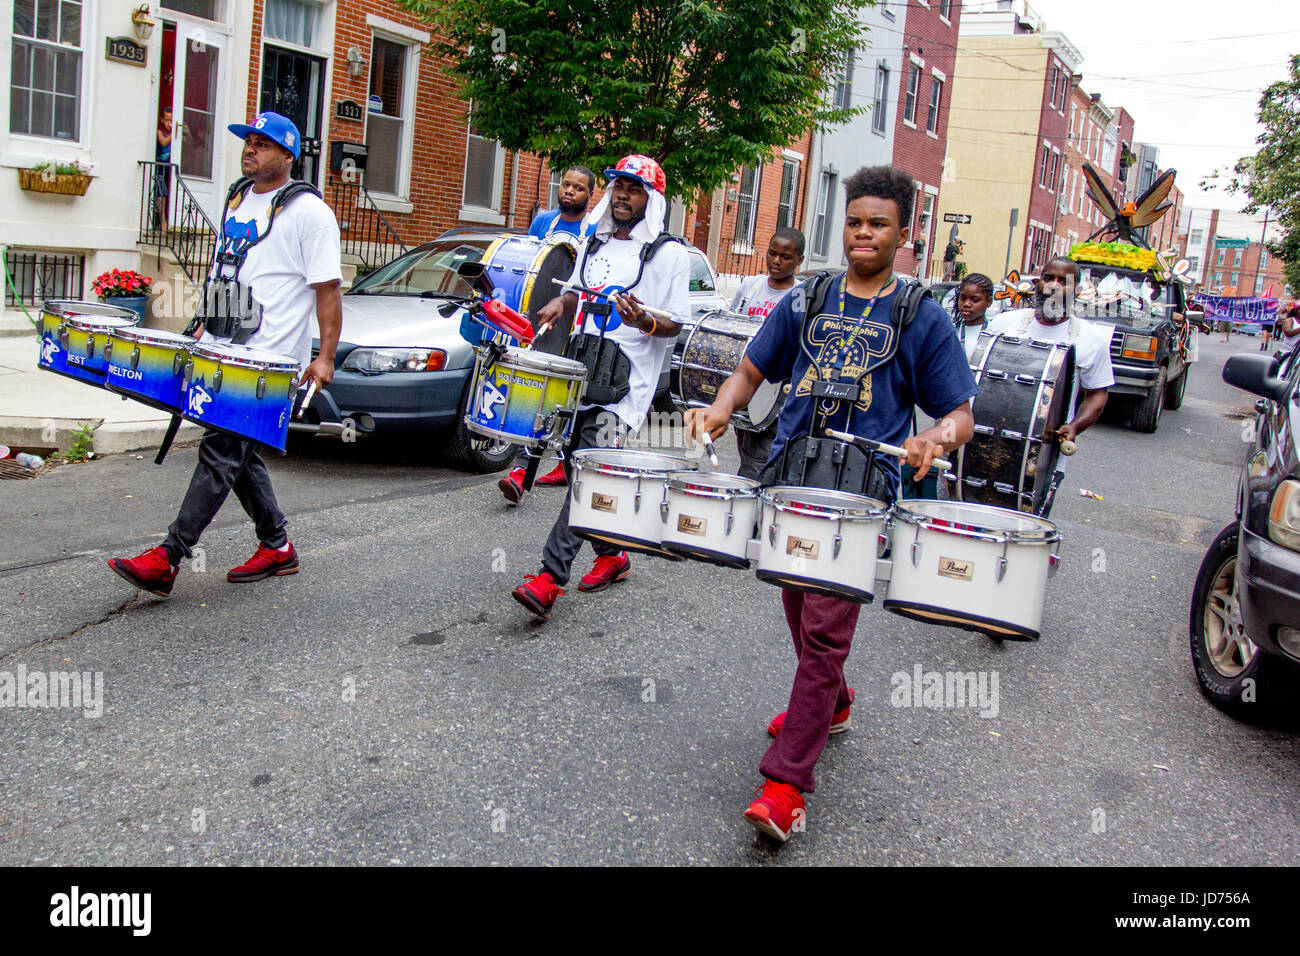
32 398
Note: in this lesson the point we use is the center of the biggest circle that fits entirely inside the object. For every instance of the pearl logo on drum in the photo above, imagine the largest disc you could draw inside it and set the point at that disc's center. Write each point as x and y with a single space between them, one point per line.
606 503
952 568
801 547
688 524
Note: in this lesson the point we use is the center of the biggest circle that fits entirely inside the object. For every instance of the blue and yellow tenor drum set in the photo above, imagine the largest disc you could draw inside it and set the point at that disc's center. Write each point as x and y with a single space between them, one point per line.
243 391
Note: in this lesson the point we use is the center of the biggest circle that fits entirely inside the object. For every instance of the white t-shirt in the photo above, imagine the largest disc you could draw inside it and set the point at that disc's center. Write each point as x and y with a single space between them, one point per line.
757 298
665 284
1091 350
301 250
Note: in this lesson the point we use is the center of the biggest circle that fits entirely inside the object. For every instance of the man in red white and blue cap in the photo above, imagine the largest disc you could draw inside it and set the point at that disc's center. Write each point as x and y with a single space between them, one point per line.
614 329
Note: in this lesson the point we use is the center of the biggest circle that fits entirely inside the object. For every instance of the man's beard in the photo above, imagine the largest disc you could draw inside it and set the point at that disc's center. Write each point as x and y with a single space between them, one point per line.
1051 308
630 221
572 208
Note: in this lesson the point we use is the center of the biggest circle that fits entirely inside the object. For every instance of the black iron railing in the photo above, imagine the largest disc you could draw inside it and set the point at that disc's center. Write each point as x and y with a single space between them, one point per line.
365 233
37 276
731 262
171 218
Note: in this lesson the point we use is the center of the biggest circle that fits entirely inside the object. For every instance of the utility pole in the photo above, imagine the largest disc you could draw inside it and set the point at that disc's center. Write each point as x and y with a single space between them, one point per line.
1262 237
1011 232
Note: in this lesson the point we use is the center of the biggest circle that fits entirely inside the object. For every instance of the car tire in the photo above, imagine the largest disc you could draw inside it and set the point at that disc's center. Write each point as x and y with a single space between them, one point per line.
476 454
1146 413
1175 392
1233 673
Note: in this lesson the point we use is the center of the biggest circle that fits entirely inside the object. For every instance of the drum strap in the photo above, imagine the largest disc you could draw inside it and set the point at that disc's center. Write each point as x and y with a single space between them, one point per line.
1076 326
811 462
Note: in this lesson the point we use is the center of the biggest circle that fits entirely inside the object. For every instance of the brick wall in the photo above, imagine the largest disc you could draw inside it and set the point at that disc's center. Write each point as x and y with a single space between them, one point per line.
1053 126
932 40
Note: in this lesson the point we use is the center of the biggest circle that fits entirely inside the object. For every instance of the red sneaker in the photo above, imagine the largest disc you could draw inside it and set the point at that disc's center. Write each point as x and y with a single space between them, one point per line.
555 476
778 810
538 593
151 571
840 721
606 570
264 563
512 486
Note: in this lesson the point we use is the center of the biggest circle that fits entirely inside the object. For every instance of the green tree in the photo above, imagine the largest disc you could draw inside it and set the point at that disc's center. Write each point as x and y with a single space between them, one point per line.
703 87
1270 179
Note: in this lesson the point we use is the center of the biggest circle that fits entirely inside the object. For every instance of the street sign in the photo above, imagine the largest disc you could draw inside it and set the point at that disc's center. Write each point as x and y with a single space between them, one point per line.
956 217
1221 243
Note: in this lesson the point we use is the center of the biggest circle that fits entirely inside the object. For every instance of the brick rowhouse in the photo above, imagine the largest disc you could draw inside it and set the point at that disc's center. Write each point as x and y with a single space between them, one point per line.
921 128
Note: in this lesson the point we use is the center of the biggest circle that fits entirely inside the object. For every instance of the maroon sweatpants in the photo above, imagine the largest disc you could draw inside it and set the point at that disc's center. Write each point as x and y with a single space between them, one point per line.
822 629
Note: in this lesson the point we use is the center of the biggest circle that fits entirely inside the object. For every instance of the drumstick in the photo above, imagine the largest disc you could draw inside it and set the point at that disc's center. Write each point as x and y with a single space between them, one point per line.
657 313
1068 447
708 444
941 463
311 390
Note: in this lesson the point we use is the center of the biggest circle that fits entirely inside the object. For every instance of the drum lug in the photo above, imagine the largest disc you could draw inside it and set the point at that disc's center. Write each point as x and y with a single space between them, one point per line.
577 489
916 554
135 355
1003 488
1002 568
984 429
1013 435
663 509
261 386
976 482
90 345
771 534
216 380
178 363
996 374
1026 379
64 337
835 545
188 372
636 500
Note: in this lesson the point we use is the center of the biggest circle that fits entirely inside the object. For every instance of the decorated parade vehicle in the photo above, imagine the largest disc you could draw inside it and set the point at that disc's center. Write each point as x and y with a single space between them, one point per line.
1126 284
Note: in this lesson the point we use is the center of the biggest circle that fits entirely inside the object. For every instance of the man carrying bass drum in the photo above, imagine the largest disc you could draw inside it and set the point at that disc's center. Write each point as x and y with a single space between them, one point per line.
278 260
630 262
854 372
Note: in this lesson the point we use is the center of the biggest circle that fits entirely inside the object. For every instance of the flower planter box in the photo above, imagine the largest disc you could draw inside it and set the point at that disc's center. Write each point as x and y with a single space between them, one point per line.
35 180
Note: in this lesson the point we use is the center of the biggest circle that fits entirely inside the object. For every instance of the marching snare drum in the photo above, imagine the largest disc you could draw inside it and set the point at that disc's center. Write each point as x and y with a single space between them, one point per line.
523 269
617 496
971 566
74 337
826 542
521 397
1025 391
711 353
244 391
710 517
149 366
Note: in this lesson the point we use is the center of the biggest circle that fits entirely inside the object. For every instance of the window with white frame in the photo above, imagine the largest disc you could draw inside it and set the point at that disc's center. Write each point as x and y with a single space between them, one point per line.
483 161
822 216
746 201
1051 93
1218 280
789 190
1056 159
1197 237
945 9
924 218
913 90
293 21
45 75
1236 277
1259 284
1222 254
553 192
1236 257
1194 264
880 101
1043 166
388 118
1074 110
1263 258
844 85
936 97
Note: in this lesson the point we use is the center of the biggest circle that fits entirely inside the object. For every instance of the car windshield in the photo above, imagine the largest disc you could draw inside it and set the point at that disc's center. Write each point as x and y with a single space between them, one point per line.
429 270
701 274
1118 295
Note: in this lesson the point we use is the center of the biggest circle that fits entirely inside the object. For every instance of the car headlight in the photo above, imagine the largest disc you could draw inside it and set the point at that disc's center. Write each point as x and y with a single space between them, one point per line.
1284 515
395 360
1140 346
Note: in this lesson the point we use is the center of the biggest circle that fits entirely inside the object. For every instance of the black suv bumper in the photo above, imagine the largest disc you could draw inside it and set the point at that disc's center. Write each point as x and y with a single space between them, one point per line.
1268 582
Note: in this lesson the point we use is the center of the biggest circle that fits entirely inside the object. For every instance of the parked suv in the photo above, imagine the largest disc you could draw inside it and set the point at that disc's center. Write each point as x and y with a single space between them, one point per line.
1149 347
1245 618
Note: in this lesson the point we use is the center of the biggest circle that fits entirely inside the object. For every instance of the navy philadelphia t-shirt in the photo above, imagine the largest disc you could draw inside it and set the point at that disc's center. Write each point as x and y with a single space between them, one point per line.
929 370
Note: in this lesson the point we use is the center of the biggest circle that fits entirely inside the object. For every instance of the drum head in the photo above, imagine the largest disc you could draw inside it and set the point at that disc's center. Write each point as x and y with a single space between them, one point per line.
245 355
964 516
89 312
765 406
153 336
1058 413
622 459
557 260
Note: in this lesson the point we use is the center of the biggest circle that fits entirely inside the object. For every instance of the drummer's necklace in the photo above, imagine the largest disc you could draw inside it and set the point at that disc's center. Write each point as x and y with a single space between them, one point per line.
844 348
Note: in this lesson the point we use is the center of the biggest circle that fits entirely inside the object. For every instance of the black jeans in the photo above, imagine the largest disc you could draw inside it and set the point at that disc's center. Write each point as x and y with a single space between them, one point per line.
562 546
226 462
755 448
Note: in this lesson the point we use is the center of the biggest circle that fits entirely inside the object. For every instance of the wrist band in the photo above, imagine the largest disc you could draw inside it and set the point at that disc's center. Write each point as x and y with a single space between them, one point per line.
654 325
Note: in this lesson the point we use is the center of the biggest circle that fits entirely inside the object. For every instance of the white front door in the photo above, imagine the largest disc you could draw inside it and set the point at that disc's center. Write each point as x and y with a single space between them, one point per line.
200 138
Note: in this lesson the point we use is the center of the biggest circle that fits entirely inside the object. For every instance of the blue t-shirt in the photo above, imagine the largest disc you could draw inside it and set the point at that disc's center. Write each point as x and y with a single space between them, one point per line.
542 224
929 369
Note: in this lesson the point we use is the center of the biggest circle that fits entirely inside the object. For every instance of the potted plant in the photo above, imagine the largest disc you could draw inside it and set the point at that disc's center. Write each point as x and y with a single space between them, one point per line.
68 179
124 287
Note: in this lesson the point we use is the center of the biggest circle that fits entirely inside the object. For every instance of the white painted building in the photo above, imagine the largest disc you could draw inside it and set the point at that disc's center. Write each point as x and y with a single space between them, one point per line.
1198 226
871 79
69 102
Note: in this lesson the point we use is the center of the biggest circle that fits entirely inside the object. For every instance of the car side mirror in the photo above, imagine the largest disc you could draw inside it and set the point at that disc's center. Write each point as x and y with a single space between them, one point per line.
1255 374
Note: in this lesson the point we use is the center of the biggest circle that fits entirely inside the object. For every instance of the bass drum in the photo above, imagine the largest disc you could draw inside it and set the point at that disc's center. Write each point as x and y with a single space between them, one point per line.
712 351
1025 391
524 268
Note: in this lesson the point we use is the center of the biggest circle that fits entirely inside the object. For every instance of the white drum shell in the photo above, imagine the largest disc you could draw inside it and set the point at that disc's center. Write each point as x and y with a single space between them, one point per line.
798 549
622 508
951 579
708 528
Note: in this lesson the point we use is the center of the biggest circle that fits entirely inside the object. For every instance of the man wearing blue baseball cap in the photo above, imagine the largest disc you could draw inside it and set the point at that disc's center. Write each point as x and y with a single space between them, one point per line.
277 263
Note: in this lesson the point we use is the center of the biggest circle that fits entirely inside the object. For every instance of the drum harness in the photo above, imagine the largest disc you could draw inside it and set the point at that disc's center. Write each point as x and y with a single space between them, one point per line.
227 308
812 461
609 371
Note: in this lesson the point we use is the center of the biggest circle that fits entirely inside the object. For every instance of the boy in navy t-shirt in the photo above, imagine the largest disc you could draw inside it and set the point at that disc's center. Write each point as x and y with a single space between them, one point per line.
851 332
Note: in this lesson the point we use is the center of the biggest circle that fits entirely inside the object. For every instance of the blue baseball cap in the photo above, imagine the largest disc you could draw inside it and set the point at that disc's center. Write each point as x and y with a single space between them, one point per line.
279 129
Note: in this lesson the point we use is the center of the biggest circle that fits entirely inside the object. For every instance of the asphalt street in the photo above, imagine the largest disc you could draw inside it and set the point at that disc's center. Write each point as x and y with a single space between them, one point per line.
391 704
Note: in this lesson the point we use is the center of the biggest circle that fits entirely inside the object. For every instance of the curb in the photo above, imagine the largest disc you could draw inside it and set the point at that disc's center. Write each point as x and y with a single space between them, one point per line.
20 431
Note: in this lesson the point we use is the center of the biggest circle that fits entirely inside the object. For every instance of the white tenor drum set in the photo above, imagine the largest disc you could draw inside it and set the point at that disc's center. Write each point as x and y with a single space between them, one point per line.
977 567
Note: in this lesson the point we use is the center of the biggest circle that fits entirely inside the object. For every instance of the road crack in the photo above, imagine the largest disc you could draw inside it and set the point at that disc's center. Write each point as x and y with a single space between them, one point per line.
48 641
